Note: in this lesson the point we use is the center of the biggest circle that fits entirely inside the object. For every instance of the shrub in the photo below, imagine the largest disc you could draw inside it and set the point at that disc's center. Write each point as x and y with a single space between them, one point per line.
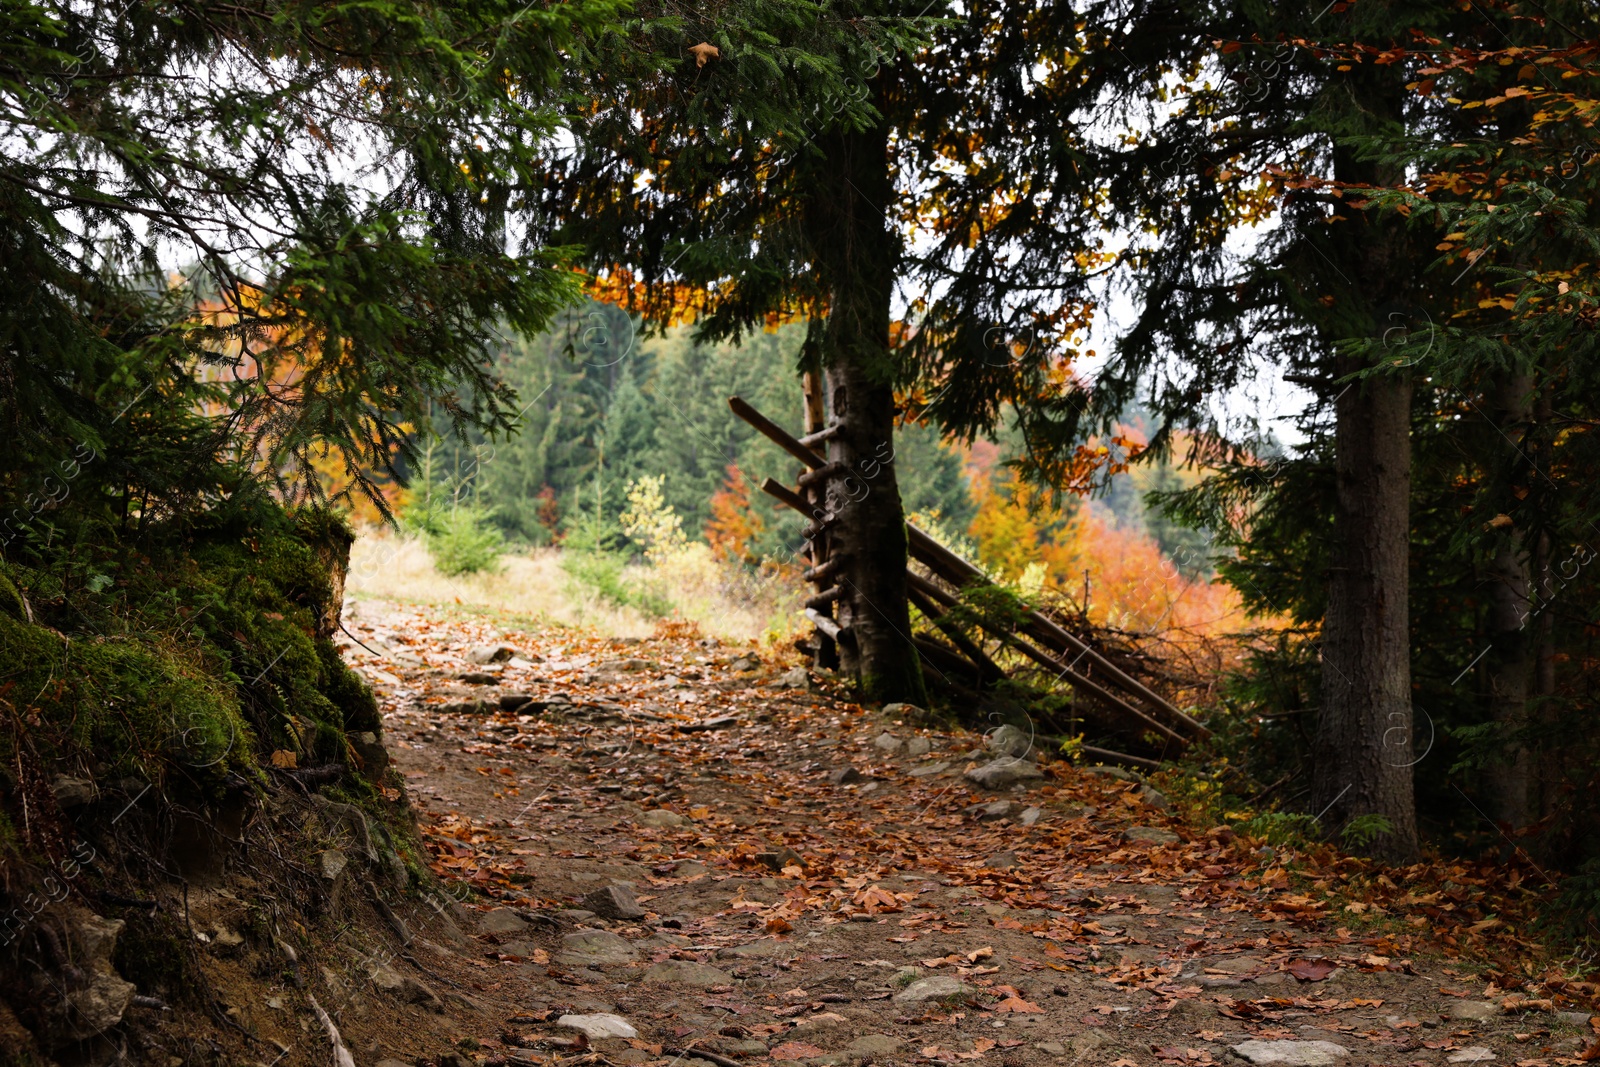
463 540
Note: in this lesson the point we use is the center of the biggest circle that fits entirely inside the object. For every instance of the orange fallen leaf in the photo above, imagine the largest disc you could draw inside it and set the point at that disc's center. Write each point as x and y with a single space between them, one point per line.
1017 1005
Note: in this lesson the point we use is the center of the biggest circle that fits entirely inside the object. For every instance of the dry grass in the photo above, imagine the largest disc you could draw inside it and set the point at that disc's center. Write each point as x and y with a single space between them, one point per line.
389 566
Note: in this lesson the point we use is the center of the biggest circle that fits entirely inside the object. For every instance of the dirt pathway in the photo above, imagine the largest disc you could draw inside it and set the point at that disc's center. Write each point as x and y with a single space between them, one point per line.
698 852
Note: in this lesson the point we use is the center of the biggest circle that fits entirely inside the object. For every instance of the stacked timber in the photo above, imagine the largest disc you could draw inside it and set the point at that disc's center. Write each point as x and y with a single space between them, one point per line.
1042 639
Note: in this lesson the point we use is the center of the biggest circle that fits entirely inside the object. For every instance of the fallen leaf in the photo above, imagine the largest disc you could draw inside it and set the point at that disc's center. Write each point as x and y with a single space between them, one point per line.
1311 970
1018 1005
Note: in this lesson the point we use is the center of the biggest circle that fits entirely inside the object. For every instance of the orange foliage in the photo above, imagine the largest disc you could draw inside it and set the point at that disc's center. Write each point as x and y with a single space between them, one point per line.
1132 585
734 523
273 359
677 303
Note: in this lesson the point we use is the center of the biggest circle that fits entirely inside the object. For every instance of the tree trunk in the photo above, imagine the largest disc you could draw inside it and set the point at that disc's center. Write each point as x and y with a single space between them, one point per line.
1364 734
1364 745
857 254
1509 666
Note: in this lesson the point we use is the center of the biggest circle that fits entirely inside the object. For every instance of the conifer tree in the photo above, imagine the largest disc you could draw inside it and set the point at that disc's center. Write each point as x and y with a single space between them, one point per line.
767 161
240 237
1306 116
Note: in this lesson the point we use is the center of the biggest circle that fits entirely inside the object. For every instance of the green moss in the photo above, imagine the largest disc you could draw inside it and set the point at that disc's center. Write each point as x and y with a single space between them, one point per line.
153 953
10 597
189 657
135 704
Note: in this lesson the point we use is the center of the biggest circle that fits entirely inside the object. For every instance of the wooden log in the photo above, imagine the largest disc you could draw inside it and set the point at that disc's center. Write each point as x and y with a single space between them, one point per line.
1085 684
1074 678
776 434
812 440
824 598
815 403
988 670
787 496
827 625
958 572
822 573
1106 755
821 475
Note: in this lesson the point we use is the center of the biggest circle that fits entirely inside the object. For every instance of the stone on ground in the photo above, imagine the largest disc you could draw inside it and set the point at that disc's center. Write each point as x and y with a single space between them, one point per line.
1003 772
795 678
614 902
1151 835
1155 798
1470 1054
501 921
491 653
332 862
907 712
1473 1010
887 743
844 776
596 1027
408 989
1291 1053
751 950
939 987
658 818
997 809
918 746
686 973
1010 741
583 947
1031 816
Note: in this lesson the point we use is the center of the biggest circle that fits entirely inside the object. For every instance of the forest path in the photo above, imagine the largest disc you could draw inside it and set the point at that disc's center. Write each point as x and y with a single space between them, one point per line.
824 884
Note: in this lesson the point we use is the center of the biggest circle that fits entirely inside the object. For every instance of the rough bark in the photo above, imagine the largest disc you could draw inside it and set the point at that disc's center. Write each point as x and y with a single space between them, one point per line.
1509 666
1364 742
1365 731
871 536
858 254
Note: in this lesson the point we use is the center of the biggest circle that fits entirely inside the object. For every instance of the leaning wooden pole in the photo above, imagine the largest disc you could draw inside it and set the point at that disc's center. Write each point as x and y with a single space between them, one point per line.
820 608
960 573
1063 671
988 670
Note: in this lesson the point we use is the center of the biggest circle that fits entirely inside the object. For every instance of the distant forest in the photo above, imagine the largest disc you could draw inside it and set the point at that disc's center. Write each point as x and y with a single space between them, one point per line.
605 406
